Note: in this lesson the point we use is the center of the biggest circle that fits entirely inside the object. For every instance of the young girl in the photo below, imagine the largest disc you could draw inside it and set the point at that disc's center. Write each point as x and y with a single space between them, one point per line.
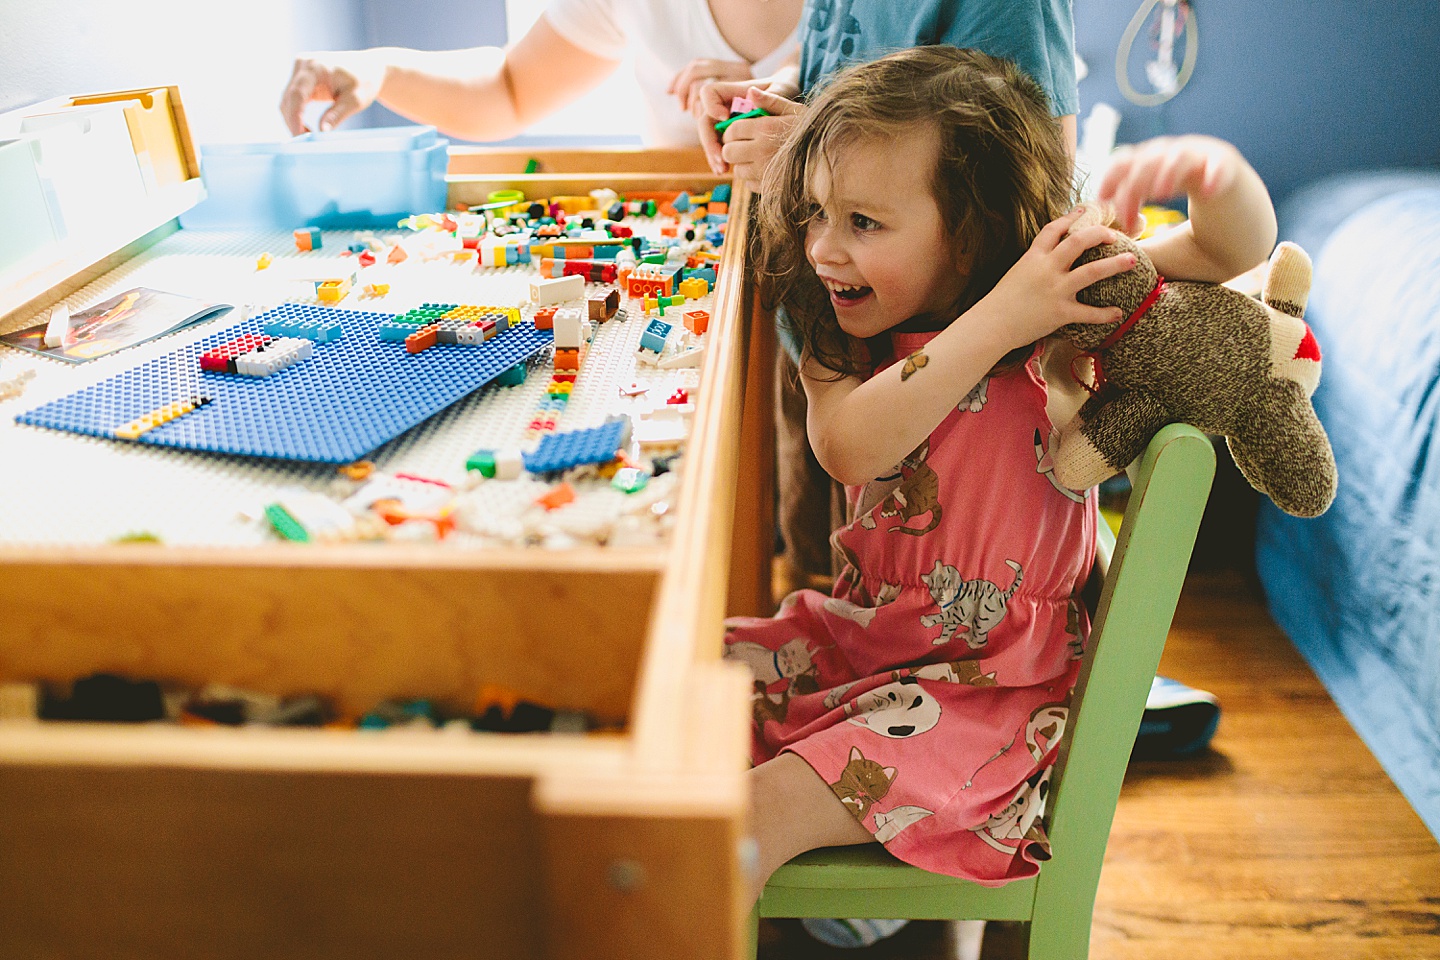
915 227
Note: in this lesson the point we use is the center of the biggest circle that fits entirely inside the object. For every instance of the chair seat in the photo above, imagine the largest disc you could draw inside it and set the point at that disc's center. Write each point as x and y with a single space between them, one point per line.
875 884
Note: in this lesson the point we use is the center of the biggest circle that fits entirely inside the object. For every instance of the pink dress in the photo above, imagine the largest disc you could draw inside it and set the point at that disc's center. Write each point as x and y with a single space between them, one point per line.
930 690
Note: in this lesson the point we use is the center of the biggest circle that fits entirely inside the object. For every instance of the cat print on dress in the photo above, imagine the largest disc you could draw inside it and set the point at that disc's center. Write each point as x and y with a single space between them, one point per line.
1045 464
862 784
917 494
1019 822
1046 727
974 401
976 606
791 662
1047 723
889 823
866 613
899 709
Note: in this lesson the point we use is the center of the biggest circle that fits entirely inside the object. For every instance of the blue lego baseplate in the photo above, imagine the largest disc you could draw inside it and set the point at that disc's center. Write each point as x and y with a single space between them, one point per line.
561 451
353 395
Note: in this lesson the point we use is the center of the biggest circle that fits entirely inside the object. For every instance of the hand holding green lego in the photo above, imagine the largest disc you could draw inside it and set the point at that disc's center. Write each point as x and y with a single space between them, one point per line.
723 125
743 144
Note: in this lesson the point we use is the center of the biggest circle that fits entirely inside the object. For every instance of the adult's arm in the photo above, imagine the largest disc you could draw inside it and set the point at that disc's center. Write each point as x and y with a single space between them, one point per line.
481 93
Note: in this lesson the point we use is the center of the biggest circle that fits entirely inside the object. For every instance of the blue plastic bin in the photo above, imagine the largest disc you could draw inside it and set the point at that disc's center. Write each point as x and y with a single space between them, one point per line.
345 179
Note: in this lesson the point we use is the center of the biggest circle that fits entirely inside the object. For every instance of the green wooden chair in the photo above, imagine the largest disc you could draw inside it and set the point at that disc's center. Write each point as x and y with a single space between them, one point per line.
1143 572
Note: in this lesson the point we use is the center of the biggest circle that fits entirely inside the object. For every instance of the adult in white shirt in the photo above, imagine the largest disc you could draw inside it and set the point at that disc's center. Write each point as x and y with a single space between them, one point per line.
489 93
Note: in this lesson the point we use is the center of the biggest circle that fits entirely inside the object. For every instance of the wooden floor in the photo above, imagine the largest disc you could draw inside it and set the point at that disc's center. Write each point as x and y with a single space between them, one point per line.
1284 841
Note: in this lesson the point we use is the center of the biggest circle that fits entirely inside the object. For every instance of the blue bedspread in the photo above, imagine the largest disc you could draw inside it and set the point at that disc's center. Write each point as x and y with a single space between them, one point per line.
1358 589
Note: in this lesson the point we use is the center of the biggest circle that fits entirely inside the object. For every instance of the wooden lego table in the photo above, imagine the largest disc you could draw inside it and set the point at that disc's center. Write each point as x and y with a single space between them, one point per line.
157 841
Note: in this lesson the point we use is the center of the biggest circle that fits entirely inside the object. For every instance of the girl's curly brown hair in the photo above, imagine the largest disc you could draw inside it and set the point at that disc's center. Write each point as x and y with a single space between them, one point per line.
1002 173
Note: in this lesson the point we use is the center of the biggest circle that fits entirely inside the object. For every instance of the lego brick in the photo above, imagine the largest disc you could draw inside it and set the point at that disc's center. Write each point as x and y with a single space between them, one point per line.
513 377
307 238
697 321
602 308
546 292
655 335
573 448
569 328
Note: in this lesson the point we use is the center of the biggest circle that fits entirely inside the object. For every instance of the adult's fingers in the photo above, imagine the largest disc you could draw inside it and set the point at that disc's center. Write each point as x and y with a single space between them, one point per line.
709 139
297 93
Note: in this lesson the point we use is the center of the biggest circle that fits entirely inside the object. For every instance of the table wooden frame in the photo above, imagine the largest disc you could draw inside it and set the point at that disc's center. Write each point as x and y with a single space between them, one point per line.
163 841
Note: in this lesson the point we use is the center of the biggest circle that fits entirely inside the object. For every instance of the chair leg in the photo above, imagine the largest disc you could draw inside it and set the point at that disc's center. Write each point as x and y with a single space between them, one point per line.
1062 937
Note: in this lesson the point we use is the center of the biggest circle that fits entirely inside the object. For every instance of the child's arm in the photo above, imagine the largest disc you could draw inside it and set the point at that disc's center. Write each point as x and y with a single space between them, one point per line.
860 429
1231 226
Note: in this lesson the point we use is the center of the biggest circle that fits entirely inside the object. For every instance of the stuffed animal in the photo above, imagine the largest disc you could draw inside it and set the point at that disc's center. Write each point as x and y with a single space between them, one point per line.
1209 356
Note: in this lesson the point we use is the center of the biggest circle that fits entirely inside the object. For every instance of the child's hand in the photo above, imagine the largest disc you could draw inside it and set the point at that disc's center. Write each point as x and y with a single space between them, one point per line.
1037 295
1166 167
747 146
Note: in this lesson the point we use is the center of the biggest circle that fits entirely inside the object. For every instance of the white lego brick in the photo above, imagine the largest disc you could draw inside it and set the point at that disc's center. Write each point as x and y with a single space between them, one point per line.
557 290
569 326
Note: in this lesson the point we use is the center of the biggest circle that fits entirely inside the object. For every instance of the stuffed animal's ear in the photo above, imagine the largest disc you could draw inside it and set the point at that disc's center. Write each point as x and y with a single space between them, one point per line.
1093 212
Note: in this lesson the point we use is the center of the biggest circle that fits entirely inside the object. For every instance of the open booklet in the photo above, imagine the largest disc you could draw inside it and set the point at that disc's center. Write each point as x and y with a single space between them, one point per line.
124 320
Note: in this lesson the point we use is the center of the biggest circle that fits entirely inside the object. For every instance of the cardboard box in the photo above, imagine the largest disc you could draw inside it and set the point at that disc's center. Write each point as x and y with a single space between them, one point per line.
158 132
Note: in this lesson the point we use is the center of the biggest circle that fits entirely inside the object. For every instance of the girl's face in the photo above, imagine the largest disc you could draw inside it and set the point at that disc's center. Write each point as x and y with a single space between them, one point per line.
877 240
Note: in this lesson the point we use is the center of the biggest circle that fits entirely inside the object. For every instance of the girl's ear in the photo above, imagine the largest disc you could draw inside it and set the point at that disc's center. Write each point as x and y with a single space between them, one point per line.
964 259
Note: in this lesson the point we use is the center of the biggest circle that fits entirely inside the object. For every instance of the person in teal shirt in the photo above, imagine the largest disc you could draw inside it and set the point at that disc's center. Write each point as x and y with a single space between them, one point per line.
1038 35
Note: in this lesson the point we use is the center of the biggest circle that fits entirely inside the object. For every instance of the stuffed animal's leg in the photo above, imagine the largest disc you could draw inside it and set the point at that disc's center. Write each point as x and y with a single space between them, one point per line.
1105 437
1287 284
1285 453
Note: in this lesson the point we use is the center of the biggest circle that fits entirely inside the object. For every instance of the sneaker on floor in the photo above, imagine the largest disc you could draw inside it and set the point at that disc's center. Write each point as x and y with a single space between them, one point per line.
851 934
1178 721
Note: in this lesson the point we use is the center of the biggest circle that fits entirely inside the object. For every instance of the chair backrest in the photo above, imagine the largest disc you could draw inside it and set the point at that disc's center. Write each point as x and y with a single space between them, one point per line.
1142 586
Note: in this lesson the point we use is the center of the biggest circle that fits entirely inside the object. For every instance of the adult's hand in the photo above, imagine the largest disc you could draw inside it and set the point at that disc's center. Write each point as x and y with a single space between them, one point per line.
349 81
697 73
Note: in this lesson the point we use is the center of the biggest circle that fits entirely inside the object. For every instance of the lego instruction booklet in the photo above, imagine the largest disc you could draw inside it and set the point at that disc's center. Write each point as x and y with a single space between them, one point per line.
126 319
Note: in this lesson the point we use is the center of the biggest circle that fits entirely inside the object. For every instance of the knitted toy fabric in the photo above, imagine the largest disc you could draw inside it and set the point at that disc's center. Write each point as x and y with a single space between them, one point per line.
1209 356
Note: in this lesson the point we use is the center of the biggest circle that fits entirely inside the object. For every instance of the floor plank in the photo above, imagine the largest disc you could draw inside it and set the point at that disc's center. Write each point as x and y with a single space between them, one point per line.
1284 841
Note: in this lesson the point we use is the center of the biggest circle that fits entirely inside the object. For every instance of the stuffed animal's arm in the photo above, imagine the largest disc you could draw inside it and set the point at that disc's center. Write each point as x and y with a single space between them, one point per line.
1105 437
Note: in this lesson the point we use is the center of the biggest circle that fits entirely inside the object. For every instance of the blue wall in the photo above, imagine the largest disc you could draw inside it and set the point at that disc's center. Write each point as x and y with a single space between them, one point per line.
1303 88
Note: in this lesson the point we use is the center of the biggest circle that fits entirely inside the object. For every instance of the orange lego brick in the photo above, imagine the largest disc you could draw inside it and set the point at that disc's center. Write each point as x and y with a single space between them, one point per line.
422 339
558 496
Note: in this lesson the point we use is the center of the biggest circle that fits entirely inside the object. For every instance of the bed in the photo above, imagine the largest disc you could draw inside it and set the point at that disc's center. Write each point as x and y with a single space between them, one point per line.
1358 589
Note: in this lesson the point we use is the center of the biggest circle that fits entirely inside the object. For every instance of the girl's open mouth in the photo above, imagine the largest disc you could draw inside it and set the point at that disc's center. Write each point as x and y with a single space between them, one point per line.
845 295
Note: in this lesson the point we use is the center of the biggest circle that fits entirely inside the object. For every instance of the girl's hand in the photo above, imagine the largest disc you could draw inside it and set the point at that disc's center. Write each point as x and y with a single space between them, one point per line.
1037 295
697 73
348 81
1165 167
747 145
